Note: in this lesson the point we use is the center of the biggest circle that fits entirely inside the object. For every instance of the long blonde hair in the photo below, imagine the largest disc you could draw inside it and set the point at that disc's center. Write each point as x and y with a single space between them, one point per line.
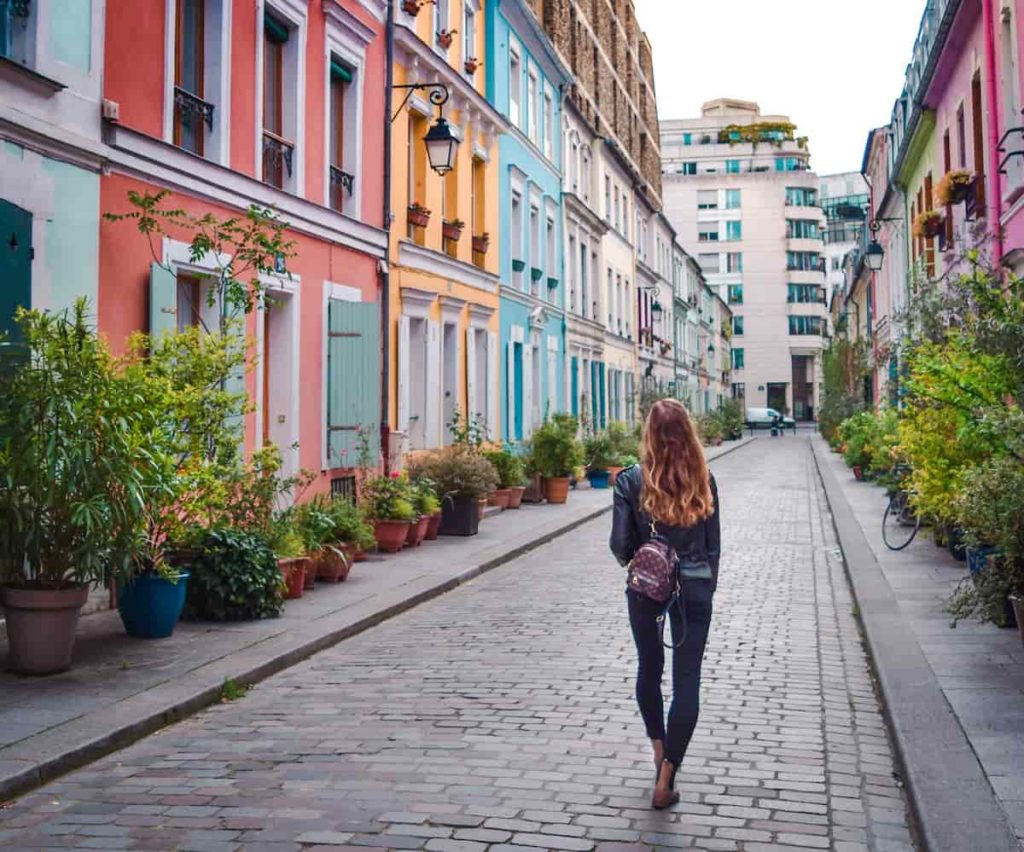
677 484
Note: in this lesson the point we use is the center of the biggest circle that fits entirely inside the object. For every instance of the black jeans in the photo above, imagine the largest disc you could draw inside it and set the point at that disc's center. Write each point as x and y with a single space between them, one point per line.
686 663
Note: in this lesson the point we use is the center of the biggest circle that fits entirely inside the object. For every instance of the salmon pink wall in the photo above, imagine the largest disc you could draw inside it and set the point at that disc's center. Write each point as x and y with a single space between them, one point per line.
243 88
133 69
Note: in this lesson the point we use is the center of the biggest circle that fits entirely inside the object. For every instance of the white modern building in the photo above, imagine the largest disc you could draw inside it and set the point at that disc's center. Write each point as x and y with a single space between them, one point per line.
844 199
738 189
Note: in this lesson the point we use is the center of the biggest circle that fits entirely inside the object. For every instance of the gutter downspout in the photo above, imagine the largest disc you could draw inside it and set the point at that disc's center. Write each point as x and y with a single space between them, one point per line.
995 194
385 274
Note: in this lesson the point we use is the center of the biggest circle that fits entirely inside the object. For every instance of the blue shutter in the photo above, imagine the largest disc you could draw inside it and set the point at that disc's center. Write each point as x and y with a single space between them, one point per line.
575 385
15 265
353 378
163 300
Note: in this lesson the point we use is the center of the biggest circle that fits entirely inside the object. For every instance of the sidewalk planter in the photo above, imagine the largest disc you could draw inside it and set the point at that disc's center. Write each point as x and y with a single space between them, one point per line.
599 478
41 627
1017 605
390 535
309 568
556 489
534 491
481 507
417 532
858 473
460 516
955 544
150 605
515 496
977 558
433 525
293 571
500 497
333 563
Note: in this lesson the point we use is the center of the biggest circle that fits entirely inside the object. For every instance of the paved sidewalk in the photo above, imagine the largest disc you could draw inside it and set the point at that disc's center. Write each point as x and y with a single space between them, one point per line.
502 716
120 689
955 698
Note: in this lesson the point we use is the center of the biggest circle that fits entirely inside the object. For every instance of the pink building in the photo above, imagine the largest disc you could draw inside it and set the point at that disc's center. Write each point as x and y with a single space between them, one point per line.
1006 38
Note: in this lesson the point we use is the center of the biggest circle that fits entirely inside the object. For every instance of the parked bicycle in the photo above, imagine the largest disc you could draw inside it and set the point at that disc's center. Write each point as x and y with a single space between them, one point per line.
900 523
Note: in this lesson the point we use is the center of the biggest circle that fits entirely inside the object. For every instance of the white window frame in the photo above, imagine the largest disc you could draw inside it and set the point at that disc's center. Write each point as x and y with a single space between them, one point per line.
469 15
442 21
532 105
549 122
294 13
515 84
216 78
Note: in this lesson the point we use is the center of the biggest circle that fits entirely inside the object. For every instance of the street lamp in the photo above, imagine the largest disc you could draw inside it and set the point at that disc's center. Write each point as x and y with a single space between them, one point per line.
874 256
656 309
440 140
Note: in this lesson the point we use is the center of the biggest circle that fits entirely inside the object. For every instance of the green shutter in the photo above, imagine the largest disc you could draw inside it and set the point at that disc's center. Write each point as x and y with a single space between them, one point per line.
163 300
353 378
15 265
340 71
275 30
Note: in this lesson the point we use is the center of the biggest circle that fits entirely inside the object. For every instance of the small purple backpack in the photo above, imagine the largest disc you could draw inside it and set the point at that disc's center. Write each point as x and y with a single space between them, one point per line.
652 573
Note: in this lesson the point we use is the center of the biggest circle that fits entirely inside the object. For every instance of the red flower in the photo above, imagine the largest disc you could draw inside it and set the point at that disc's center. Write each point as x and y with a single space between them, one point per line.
395 474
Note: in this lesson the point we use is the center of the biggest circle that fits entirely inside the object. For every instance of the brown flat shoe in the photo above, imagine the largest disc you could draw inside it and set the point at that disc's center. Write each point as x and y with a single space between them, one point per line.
664 799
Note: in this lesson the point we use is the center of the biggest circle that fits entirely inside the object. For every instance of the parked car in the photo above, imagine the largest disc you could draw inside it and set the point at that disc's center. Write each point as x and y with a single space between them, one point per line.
763 418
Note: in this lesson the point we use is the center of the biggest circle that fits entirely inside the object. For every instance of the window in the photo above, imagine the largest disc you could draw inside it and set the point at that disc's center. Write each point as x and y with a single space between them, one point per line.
585 172
735 294
468 33
441 20
551 270
708 236
707 199
189 302
611 299
687 138
277 150
805 293
737 325
732 167
734 261
515 86
738 361
608 199
798 196
341 181
517 239
800 325
549 123
732 199
687 168
739 390
807 261
961 137
190 109
16 31
979 142
787 164
734 231
806 229
534 240
531 106
710 263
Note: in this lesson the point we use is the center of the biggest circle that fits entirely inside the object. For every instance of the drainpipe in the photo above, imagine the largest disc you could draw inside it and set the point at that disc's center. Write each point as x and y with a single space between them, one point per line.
385 276
995 194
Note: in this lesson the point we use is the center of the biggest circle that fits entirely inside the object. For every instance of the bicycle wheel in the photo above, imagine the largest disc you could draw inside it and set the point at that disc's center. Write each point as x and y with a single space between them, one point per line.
899 529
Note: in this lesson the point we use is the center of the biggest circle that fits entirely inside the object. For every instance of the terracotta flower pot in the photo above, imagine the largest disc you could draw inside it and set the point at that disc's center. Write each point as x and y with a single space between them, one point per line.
556 489
534 492
858 473
294 576
41 627
333 563
417 532
515 496
613 472
390 535
481 244
451 232
481 507
418 218
433 526
499 497
359 555
310 568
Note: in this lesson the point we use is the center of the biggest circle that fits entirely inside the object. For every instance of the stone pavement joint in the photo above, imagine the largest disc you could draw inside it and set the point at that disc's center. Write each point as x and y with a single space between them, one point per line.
406 735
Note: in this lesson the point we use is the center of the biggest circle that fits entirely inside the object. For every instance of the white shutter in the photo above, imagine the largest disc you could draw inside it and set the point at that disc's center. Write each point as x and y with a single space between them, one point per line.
432 433
554 403
403 374
528 390
471 373
490 372
510 391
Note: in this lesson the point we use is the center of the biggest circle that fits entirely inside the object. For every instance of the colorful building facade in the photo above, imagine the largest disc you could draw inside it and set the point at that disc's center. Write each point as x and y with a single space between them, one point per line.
443 321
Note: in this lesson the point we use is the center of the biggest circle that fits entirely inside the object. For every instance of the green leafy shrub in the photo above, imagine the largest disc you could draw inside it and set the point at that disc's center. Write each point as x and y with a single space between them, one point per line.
710 428
598 452
424 498
990 507
509 467
625 442
556 450
456 471
388 498
857 433
730 415
234 578
984 595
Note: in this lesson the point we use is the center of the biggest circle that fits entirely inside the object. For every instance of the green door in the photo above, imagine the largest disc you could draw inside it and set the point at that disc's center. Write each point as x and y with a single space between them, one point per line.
15 264
353 379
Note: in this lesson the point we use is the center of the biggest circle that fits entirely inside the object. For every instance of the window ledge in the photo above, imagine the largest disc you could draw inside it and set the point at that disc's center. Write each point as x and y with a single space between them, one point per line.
9 69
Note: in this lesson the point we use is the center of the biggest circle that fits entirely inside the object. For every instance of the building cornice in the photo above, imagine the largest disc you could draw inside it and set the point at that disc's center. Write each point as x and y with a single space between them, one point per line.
149 159
576 205
341 16
53 143
414 256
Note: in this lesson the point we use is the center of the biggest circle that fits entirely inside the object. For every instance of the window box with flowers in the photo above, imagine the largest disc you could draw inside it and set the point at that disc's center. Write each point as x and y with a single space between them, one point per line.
471 64
955 186
928 224
452 230
419 216
444 38
518 265
412 7
536 274
482 242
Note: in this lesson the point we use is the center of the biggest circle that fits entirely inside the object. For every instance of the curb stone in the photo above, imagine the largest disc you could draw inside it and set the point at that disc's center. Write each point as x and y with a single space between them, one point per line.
20 776
951 800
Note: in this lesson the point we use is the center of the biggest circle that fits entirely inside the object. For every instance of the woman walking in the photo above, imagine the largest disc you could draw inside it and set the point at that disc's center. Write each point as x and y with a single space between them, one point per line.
672 493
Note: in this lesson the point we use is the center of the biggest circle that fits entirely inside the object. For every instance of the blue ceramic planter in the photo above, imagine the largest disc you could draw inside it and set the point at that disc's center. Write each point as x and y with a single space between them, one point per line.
977 557
150 605
599 478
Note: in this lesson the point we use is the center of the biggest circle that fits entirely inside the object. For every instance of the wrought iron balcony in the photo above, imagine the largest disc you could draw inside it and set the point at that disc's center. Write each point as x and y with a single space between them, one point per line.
340 180
191 107
277 158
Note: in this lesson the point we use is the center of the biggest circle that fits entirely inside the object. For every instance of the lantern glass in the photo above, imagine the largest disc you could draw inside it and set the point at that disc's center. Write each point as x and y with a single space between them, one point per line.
874 256
441 145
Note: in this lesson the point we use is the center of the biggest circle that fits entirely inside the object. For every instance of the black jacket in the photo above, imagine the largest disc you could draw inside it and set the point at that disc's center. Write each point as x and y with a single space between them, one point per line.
631 526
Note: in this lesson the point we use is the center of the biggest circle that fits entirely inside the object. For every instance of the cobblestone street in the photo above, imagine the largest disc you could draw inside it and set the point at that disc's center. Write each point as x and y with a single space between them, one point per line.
501 715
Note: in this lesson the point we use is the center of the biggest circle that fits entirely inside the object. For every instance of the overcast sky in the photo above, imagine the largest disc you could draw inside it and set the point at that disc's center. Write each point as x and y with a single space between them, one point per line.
834 67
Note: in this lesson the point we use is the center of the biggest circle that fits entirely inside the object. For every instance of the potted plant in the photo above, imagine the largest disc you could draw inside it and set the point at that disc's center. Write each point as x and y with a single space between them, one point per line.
928 223
418 215
471 64
556 453
954 187
534 491
481 242
460 476
76 470
351 530
386 501
625 448
511 477
452 230
444 38
599 458
235 577
412 7
317 525
290 552
426 504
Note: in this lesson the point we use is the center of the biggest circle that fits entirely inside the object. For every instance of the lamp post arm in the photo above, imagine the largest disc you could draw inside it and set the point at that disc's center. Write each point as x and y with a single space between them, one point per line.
438 94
